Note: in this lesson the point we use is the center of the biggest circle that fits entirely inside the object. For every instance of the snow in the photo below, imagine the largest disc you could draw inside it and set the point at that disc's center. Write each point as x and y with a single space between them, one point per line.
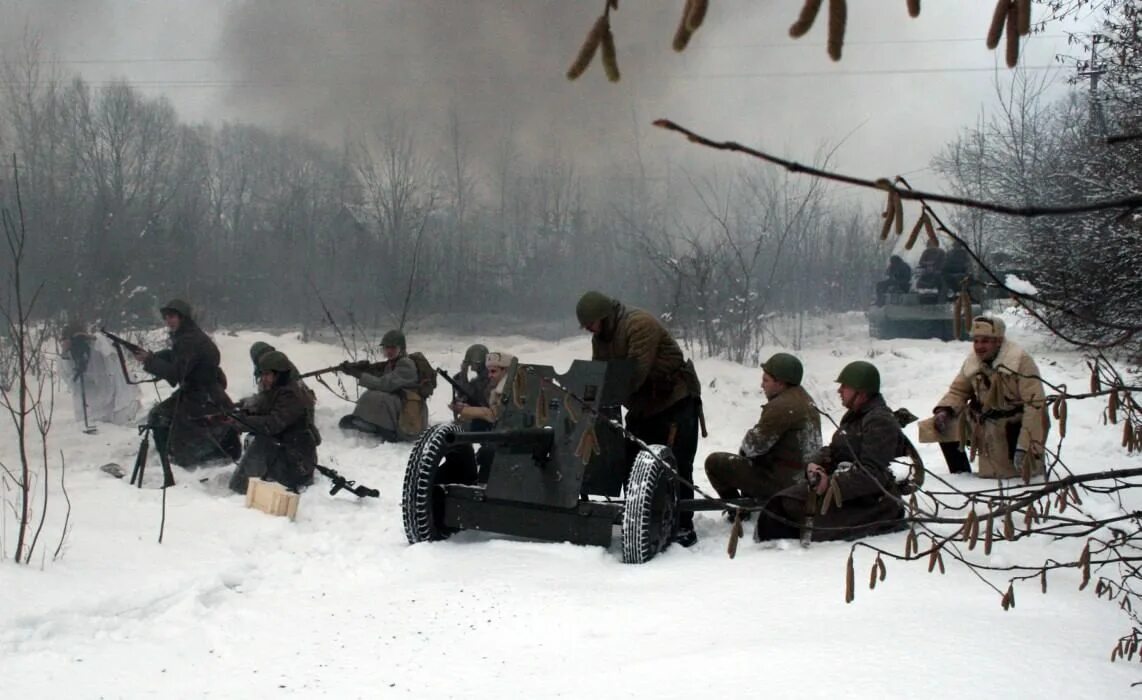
235 603
1022 286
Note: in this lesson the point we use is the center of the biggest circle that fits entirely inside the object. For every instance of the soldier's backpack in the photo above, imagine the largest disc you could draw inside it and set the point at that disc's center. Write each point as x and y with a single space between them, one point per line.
425 375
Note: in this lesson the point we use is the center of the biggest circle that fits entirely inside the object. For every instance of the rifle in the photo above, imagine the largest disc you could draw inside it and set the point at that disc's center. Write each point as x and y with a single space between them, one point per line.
343 367
340 482
141 459
461 391
120 344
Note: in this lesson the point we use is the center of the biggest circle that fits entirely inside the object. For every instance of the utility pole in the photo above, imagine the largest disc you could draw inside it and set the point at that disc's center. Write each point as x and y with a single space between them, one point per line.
1097 119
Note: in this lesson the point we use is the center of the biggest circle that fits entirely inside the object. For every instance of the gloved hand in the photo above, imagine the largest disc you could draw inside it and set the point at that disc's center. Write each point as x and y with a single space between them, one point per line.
1017 460
943 418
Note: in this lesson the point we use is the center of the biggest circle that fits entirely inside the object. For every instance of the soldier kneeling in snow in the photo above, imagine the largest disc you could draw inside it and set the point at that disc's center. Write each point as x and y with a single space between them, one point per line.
854 469
280 417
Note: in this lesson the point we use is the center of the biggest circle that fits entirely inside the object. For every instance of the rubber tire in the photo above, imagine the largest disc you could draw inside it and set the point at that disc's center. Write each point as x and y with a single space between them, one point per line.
421 505
650 514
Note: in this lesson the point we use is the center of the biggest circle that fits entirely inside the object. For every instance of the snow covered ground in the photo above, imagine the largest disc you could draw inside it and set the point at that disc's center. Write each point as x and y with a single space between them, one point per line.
235 603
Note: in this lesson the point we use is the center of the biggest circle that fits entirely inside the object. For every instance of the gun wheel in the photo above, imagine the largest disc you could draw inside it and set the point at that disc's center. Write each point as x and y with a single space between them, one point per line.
650 514
433 462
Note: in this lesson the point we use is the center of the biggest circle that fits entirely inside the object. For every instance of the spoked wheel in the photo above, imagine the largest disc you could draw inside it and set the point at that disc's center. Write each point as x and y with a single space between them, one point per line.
650 514
433 462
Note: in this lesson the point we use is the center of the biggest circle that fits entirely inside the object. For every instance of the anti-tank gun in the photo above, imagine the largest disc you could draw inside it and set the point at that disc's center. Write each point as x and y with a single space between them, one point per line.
560 468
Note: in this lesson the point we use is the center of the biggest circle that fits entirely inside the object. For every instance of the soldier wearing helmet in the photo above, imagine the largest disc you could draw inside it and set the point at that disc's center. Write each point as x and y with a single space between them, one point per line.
855 463
192 365
775 451
390 385
664 405
284 444
477 384
997 397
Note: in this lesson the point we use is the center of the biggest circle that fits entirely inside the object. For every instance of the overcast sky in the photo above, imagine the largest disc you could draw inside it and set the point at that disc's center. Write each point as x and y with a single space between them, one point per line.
903 90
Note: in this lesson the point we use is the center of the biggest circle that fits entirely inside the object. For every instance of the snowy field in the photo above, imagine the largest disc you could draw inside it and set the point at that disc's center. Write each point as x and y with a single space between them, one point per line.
238 604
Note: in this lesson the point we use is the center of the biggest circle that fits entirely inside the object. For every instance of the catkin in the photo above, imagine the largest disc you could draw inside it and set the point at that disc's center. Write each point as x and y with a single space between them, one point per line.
838 15
1024 7
915 233
805 20
883 569
850 575
1095 384
1084 564
913 8
610 59
683 33
1043 580
997 19
1113 409
590 45
898 212
872 577
1008 527
695 13
1062 418
989 536
1012 48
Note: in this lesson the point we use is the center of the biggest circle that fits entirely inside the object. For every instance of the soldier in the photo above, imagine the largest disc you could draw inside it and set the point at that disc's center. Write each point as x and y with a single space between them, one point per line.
898 278
477 386
100 391
857 459
664 405
497 364
999 400
192 365
957 267
930 267
285 439
390 408
775 451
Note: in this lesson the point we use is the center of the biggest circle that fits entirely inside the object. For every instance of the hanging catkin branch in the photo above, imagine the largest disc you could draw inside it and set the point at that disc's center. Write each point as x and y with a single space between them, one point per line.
997 19
683 33
805 20
913 8
1012 48
838 15
695 14
590 46
610 58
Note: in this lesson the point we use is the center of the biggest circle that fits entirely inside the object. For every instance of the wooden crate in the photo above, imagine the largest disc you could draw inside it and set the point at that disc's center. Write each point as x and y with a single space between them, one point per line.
272 498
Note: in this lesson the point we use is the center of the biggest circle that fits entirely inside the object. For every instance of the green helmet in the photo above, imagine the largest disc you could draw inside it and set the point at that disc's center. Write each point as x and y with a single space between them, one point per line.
476 355
258 349
784 367
593 306
860 375
393 338
274 361
178 306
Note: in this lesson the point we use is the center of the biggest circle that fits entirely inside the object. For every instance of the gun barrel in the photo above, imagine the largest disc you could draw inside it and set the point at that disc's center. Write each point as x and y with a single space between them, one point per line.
533 437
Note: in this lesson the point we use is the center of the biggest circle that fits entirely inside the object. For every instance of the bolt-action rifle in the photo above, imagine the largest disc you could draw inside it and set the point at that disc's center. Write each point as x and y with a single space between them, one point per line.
124 344
347 367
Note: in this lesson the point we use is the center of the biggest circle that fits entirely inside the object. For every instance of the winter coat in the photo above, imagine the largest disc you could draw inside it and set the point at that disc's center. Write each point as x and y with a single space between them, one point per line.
490 412
660 375
899 273
391 401
285 442
786 436
108 396
193 365
868 440
991 396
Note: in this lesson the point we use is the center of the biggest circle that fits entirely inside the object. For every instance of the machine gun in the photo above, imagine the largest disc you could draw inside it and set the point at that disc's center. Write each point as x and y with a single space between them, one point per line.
460 391
349 367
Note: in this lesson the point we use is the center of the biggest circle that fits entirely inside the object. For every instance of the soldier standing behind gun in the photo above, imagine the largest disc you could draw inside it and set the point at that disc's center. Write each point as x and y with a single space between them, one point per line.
192 365
664 404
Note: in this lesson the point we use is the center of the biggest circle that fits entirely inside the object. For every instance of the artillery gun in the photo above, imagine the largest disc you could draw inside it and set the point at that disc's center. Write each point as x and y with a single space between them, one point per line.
558 469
